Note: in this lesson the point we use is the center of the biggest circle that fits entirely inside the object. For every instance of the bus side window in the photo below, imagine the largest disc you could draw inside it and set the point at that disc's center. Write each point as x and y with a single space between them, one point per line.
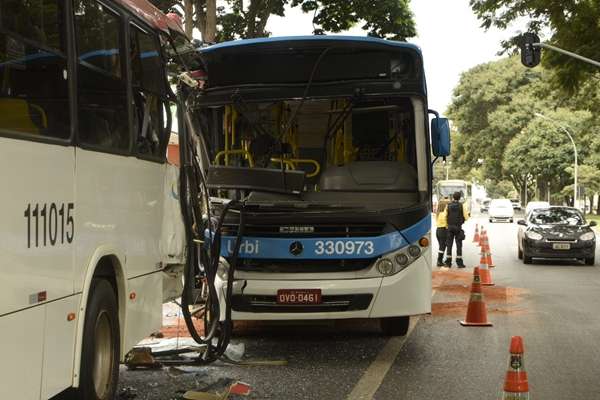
149 94
102 103
34 95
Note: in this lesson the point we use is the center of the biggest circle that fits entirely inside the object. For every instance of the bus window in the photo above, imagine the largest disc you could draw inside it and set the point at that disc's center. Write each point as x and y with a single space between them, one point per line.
148 82
102 104
34 96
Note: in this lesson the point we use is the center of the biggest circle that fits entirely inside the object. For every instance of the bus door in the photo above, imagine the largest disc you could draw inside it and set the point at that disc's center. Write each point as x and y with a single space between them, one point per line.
37 233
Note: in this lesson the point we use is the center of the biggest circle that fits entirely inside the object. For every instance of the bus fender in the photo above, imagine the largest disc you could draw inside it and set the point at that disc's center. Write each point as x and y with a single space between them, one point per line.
118 259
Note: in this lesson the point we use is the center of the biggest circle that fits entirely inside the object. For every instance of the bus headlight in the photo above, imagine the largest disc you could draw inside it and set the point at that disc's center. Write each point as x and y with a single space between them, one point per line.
385 266
414 251
394 262
402 260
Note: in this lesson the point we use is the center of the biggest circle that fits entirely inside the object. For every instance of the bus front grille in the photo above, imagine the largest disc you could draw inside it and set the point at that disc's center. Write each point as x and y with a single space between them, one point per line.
302 266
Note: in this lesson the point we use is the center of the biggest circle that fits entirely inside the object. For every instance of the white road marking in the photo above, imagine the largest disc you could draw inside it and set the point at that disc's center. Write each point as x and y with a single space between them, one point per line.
373 377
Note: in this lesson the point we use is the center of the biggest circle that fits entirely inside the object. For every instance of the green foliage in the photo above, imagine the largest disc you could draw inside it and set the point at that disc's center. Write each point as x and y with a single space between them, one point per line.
390 19
494 109
574 25
542 150
500 189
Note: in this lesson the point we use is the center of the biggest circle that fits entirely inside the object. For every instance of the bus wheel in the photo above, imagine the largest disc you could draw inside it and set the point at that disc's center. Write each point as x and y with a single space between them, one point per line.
99 371
395 326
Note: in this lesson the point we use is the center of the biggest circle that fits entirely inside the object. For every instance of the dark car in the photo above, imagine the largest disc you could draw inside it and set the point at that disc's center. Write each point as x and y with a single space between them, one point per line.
556 232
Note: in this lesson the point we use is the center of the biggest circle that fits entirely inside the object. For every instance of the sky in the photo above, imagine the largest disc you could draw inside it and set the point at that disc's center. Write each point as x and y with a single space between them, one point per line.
448 34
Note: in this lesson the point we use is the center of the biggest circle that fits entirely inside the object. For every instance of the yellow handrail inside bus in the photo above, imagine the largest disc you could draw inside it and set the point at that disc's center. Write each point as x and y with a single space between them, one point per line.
288 163
227 153
292 163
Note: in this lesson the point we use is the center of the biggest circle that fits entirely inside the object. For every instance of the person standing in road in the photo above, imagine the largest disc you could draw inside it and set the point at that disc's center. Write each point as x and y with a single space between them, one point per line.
441 233
455 216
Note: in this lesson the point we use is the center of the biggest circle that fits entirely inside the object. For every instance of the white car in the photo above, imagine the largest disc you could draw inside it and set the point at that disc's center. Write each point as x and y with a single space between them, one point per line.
501 210
535 205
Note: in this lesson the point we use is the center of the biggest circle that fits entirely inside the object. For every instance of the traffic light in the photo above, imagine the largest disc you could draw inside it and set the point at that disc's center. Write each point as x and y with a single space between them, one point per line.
530 54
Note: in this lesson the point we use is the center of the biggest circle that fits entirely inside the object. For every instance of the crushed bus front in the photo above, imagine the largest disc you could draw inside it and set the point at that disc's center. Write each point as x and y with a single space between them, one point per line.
324 141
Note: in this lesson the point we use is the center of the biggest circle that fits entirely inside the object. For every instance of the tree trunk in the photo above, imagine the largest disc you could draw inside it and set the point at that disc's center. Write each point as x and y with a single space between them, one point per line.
210 28
188 9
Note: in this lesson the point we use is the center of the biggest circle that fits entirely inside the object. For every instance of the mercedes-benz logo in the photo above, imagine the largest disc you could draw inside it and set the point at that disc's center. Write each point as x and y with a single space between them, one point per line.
296 248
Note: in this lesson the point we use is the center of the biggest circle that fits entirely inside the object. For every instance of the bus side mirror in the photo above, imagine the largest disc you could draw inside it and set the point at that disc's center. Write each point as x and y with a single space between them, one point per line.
530 54
440 137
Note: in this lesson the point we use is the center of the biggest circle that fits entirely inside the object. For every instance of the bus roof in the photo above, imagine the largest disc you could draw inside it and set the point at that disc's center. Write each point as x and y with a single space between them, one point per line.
152 15
314 38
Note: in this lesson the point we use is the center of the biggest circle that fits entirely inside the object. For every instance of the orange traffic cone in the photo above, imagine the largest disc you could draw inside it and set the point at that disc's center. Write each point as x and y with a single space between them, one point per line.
516 386
488 252
482 237
476 236
484 272
477 310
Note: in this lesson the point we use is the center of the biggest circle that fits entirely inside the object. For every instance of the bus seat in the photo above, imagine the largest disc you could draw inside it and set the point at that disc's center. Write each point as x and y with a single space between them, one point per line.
16 116
365 176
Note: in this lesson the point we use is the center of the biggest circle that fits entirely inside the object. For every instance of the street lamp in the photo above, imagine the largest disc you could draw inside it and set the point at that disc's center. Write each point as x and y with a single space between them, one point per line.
565 130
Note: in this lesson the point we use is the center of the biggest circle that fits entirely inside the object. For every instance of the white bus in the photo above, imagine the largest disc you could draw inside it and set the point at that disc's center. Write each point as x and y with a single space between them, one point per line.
329 174
83 140
446 188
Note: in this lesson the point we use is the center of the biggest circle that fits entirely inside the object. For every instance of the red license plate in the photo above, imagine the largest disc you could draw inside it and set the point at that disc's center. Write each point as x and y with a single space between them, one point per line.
299 296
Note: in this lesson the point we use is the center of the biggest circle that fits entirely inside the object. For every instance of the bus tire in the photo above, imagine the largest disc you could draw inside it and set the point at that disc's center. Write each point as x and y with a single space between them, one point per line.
99 372
394 326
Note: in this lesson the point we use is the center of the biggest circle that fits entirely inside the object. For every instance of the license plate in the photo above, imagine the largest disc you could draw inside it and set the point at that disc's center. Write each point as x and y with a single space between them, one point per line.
561 246
299 296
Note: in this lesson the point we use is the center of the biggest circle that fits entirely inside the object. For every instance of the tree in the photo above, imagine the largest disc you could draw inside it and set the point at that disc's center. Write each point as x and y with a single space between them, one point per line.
500 189
574 26
588 182
390 19
197 14
543 153
493 109
490 105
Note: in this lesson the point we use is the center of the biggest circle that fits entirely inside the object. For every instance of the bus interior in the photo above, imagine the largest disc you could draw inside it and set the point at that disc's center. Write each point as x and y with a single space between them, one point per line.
342 151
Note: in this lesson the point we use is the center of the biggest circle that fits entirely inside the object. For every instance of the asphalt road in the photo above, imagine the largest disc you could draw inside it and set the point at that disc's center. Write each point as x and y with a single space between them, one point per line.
554 306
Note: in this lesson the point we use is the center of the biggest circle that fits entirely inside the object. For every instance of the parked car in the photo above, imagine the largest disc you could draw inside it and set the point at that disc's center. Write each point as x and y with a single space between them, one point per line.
501 210
556 232
485 206
516 204
532 205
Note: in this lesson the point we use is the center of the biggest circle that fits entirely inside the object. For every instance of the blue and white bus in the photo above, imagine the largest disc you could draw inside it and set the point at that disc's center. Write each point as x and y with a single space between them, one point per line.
324 145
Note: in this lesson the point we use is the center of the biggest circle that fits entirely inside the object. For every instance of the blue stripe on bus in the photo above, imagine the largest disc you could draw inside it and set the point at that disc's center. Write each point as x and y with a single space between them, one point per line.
328 247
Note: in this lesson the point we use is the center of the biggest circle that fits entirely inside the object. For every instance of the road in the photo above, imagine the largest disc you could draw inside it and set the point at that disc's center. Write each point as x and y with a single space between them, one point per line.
553 306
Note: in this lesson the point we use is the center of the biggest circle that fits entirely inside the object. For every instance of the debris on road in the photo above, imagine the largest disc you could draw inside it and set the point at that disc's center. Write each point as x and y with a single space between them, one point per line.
237 389
141 357
453 288
127 393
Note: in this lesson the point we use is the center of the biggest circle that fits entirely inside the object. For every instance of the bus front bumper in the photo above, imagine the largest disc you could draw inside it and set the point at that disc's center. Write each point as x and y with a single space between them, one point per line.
405 293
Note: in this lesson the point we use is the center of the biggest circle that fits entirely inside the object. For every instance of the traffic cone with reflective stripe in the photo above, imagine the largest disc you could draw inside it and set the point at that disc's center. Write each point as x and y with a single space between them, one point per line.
482 237
488 252
477 310
476 236
516 386
484 272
